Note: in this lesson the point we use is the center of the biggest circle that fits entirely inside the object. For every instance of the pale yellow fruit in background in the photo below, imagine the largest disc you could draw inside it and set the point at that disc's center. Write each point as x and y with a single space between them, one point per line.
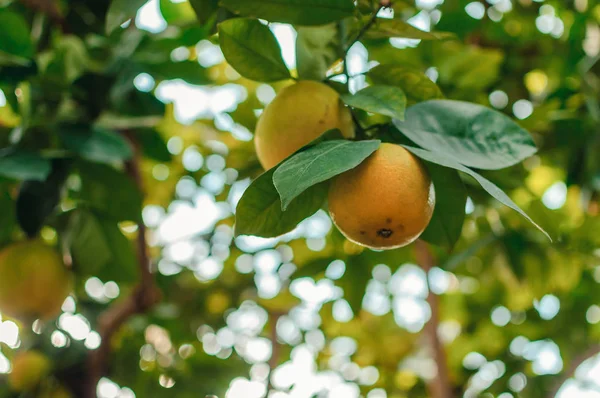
29 368
33 281
299 114
384 203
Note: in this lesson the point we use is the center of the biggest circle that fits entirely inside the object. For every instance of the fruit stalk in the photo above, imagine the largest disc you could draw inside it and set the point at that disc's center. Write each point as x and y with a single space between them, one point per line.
142 298
439 386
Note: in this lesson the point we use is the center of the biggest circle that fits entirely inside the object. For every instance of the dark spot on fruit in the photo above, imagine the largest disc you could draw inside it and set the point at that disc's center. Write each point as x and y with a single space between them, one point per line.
321 121
362 232
385 233
388 220
400 227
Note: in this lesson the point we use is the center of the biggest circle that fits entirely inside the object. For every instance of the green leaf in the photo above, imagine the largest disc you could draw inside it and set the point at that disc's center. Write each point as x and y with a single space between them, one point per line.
384 100
415 84
384 28
38 199
471 134
204 9
251 49
8 218
355 280
317 48
312 268
459 258
445 226
110 191
100 249
297 12
443 160
317 164
68 61
21 165
153 145
96 145
15 36
259 210
120 11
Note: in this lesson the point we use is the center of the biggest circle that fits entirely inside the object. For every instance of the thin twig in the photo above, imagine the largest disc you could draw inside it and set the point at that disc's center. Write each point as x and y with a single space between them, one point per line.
578 360
439 386
360 131
143 297
365 27
276 347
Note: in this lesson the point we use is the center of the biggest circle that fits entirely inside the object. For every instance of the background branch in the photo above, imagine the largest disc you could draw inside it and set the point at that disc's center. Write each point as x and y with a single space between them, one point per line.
439 386
143 297
578 360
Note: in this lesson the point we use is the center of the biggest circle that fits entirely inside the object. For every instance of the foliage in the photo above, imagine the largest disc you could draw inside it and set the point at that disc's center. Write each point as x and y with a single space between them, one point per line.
108 126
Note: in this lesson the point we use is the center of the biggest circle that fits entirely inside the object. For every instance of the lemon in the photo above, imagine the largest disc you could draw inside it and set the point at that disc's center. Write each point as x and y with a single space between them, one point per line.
384 203
299 114
33 281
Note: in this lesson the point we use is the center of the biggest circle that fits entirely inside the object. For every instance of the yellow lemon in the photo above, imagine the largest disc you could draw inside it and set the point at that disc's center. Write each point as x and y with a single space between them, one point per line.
299 114
29 368
33 280
384 203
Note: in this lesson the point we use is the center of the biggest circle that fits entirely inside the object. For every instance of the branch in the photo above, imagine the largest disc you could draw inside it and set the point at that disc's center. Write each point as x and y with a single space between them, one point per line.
438 387
142 298
49 8
369 23
578 360
274 360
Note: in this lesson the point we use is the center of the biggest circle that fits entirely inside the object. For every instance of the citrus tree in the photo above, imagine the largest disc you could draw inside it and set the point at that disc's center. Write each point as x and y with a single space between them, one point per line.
285 198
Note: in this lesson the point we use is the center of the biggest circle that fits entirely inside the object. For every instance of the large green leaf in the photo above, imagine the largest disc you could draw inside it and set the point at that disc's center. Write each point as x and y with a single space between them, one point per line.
100 249
445 226
251 48
384 28
15 35
110 191
471 134
38 199
8 218
259 210
355 280
317 48
204 9
297 12
96 145
120 11
384 100
21 165
317 164
153 145
443 160
415 84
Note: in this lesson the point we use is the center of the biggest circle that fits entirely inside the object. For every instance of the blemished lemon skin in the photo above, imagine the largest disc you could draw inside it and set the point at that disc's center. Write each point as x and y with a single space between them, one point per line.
34 281
29 368
384 203
299 114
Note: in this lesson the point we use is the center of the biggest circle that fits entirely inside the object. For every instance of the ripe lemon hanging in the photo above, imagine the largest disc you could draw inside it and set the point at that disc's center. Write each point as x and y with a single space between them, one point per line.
384 203
33 280
299 114
29 368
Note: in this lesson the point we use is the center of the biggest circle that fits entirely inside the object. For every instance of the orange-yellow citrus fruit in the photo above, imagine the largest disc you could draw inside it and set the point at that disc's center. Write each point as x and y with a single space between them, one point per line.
33 281
299 114
384 203
29 368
